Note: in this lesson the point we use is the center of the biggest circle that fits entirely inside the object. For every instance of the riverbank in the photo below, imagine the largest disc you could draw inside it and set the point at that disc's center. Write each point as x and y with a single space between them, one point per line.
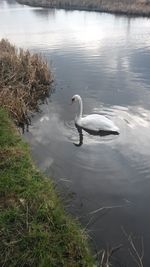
35 229
126 7
25 81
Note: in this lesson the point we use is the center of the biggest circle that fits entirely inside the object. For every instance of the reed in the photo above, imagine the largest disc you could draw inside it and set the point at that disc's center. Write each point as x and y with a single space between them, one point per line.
127 7
25 80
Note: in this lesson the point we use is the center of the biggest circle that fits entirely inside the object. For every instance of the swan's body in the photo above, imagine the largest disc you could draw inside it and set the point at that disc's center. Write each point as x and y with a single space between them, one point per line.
93 122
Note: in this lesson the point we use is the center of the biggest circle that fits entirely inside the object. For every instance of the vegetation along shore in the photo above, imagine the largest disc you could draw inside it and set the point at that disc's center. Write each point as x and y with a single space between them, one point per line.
25 81
127 7
35 228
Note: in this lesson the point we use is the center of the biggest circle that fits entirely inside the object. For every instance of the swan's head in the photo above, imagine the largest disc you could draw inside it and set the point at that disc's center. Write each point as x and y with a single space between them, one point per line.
76 98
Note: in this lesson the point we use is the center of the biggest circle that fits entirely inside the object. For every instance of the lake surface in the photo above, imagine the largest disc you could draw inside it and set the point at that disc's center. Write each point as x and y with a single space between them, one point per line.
106 59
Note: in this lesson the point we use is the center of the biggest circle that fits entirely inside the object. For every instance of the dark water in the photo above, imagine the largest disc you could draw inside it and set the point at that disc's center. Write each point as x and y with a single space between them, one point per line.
106 59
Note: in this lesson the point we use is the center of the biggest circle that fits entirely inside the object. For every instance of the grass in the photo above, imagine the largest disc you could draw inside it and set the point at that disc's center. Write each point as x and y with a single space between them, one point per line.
25 80
35 229
128 7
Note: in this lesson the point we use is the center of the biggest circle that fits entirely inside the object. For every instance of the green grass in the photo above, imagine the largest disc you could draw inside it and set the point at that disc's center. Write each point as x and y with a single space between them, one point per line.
34 228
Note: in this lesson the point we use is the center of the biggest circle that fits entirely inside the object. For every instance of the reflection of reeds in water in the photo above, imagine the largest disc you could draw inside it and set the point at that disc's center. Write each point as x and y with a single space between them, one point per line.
132 7
24 80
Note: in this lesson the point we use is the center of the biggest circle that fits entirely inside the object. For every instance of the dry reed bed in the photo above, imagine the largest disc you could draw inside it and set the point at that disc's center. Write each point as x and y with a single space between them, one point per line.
128 7
25 81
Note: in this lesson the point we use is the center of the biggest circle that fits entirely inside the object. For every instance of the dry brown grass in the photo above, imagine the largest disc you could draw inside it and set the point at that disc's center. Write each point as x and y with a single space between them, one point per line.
129 7
25 80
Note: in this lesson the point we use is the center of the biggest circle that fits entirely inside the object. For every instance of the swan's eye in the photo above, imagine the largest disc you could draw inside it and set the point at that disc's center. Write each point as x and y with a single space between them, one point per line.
73 99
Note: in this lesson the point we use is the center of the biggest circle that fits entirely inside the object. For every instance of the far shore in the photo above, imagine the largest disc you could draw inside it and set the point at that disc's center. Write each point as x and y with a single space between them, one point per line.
124 7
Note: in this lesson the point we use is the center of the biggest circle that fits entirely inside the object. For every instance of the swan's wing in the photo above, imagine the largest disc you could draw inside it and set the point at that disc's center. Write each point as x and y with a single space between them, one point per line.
98 122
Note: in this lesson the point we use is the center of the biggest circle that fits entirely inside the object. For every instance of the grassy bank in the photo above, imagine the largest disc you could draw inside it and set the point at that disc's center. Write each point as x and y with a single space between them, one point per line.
35 230
127 7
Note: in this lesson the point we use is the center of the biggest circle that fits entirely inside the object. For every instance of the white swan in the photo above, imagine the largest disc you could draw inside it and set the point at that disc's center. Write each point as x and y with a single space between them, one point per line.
93 122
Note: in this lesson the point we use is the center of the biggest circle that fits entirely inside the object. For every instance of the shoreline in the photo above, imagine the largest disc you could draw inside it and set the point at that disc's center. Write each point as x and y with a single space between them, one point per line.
26 81
35 228
136 9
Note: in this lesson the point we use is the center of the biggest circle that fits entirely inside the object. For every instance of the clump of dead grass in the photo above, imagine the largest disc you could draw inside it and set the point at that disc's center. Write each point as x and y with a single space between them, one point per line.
126 7
25 80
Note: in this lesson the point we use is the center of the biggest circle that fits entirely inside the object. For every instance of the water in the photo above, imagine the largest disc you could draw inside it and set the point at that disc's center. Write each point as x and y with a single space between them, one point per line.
106 59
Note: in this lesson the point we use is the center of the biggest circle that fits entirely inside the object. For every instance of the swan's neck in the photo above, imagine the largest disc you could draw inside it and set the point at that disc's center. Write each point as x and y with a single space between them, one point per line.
79 115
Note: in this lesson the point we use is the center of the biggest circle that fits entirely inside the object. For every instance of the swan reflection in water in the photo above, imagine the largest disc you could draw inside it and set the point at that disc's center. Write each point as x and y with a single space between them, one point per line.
91 132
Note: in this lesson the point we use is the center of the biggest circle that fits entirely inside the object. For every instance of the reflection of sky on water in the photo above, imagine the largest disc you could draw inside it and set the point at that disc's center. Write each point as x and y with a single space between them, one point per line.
112 51
87 30
133 142
89 39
